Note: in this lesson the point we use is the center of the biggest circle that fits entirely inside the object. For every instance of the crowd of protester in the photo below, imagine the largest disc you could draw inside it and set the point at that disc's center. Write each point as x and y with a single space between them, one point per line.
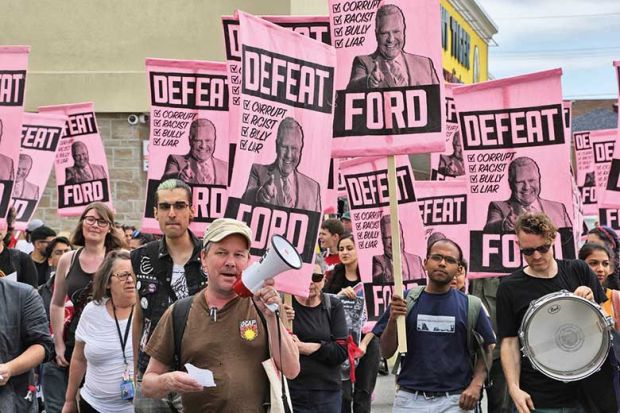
105 318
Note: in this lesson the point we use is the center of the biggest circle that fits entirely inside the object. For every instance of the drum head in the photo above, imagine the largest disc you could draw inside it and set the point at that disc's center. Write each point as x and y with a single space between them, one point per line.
566 338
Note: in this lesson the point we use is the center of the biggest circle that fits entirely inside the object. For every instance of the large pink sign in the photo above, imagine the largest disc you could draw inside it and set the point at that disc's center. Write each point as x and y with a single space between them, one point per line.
41 134
585 174
282 162
449 164
81 164
517 159
366 180
315 27
189 136
611 195
13 67
389 82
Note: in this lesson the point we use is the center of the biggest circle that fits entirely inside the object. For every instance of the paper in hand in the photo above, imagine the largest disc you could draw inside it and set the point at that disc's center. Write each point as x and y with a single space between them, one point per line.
202 376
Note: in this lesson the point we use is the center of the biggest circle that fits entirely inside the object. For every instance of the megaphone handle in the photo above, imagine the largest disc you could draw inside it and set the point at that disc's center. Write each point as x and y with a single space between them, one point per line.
273 307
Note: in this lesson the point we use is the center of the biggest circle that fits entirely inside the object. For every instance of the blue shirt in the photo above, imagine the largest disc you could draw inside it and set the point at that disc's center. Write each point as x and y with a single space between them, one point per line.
438 358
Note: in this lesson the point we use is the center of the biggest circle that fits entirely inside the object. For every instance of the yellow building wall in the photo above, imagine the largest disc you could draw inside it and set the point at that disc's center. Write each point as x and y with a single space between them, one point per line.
450 63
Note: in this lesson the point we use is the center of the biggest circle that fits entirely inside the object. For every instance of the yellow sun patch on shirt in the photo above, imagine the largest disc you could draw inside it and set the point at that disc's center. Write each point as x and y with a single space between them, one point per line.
248 329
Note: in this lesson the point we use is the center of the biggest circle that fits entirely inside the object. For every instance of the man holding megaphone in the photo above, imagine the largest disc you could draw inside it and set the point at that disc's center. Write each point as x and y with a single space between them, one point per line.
225 333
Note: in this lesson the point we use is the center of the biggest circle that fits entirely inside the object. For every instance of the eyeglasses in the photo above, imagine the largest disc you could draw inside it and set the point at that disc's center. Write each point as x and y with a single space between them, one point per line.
123 276
178 206
101 223
448 259
542 249
317 277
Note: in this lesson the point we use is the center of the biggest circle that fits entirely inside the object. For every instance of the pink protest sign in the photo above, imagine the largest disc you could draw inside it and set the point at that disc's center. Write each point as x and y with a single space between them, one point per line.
331 196
189 136
41 134
603 144
517 159
449 164
611 195
443 206
617 69
81 165
315 27
282 165
585 175
13 67
366 180
389 97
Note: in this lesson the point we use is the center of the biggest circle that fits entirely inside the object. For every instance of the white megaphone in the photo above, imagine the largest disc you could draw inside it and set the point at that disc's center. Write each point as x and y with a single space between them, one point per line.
280 257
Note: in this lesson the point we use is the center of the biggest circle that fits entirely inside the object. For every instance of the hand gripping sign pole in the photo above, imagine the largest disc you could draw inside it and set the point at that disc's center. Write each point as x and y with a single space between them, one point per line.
396 250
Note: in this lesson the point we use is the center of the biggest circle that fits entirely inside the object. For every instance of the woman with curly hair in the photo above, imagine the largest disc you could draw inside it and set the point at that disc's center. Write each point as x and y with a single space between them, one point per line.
604 235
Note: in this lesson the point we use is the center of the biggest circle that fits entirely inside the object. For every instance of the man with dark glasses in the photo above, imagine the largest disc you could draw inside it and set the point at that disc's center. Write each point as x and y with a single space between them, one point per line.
166 270
529 389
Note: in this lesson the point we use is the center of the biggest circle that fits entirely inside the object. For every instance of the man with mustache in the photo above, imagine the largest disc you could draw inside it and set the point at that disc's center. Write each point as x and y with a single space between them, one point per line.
199 166
280 183
390 65
524 181
166 271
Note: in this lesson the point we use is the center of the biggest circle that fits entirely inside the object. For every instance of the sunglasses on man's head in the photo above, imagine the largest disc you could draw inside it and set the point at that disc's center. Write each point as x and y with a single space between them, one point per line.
317 277
178 206
542 249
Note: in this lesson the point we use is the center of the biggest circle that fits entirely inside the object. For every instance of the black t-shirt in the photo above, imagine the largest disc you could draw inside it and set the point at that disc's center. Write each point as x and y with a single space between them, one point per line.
12 260
514 295
321 369
43 271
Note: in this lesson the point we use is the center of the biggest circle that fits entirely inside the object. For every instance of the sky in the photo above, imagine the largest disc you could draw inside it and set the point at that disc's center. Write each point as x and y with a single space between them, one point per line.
580 36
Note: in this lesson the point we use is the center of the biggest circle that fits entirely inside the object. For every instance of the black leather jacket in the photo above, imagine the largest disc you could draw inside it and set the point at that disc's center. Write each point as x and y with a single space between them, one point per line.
152 265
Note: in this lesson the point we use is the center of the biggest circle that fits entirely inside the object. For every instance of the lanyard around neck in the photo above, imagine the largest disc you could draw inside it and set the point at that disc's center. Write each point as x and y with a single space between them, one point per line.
118 329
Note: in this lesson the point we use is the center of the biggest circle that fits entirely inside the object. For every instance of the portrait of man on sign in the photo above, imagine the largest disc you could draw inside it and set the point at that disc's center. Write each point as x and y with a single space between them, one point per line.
452 165
82 170
6 163
525 186
390 65
24 189
382 268
198 166
280 183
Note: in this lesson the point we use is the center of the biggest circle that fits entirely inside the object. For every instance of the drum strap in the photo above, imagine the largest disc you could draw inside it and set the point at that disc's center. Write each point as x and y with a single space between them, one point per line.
615 301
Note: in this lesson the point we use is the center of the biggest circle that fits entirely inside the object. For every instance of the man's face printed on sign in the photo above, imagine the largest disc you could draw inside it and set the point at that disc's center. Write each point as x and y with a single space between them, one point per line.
202 141
526 184
288 149
80 155
390 33
24 166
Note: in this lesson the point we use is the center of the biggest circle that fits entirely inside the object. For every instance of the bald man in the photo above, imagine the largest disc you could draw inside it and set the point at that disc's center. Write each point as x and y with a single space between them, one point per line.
82 170
24 189
199 166
6 163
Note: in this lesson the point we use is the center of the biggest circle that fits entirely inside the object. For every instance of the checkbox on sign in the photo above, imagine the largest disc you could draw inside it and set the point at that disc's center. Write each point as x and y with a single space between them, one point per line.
337 20
236 100
235 79
235 90
338 43
156 132
157 122
156 112
233 68
243 143
471 158
472 168
246 118
474 189
244 131
473 179
246 105
336 8
338 31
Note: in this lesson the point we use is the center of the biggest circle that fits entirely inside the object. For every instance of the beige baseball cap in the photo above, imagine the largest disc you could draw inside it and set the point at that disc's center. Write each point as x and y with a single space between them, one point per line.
223 227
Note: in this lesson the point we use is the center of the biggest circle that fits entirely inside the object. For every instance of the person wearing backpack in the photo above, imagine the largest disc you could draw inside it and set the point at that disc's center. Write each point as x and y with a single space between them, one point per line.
438 373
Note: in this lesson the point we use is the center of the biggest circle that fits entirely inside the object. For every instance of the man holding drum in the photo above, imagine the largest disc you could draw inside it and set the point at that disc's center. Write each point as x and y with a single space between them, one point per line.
542 275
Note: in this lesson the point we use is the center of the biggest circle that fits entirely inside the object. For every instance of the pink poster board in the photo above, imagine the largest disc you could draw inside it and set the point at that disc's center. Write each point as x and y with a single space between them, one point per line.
81 165
585 175
449 164
189 136
282 160
389 83
314 27
517 158
13 67
366 180
41 135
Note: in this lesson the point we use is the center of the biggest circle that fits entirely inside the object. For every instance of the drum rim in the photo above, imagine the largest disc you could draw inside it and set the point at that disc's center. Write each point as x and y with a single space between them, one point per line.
601 355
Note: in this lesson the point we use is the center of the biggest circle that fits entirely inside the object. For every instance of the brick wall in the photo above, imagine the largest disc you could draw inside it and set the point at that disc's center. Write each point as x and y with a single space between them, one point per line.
123 147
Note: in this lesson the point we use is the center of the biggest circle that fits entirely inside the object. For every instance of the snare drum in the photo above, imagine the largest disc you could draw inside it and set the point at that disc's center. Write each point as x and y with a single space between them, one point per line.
565 337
